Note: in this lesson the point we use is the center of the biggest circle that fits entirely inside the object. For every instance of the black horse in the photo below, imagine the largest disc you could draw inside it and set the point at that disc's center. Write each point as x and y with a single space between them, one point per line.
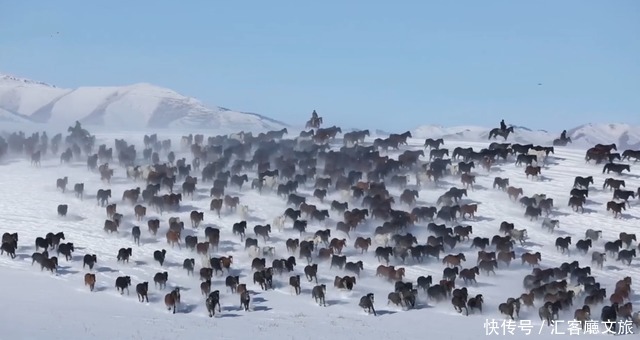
561 142
494 133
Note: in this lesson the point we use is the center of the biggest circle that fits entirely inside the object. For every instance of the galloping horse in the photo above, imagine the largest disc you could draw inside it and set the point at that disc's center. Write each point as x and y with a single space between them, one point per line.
494 133
314 122
561 142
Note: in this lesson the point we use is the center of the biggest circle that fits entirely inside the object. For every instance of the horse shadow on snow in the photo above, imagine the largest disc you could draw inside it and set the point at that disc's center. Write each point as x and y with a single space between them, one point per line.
555 213
66 270
480 218
385 312
628 217
560 232
106 270
261 308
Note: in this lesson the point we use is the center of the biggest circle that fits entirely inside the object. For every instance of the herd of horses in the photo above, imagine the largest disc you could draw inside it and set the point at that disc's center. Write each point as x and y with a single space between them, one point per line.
304 171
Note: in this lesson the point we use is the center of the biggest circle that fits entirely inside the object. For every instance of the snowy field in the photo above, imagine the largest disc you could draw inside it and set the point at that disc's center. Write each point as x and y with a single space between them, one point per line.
39 304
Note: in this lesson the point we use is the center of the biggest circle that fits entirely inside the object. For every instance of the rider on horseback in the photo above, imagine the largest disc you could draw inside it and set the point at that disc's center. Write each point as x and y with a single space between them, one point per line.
503 126
563 135
314 115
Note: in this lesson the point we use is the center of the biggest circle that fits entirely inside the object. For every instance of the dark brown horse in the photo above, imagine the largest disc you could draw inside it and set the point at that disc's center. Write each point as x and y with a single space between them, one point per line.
533 171
531 259
467 180
172 299
363 244
616 207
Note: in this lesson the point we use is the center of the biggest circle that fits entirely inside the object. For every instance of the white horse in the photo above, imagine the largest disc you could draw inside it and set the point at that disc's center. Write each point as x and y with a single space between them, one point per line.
382 239
422 177
550 224
133 172
253 252
185 143
454 169
268 251
237 136
244 212
270 181
346 195
278 222
541 155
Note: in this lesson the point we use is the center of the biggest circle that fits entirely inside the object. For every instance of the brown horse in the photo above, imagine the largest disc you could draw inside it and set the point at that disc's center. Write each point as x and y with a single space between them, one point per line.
486 163
514 192
226 262
506 257
469 274
468 209
173 238
531 259
90 280
205 287
140 212
337 245
111 210
467 180
231 202
196 218
454 260
390 272
527 299
363 244
216 205
153 225
596 154
624 284
172 299
533 171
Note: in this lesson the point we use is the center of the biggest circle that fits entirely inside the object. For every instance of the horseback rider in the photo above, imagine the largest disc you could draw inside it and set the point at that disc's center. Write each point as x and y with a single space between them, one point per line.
314 115
563 135
503 126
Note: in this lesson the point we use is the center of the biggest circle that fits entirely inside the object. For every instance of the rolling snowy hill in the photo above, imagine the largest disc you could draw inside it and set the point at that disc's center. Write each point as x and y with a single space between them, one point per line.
624 135
134 107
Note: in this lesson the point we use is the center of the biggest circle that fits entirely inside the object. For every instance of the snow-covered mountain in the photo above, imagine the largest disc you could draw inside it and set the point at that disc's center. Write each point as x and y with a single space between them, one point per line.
624 135
134 106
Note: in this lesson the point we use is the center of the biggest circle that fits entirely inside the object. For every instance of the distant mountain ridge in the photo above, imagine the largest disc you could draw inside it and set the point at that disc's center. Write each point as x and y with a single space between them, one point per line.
144 105
139 105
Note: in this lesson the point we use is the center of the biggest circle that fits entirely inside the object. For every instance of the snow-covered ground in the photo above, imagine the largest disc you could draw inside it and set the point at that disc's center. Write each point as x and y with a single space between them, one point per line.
38 304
